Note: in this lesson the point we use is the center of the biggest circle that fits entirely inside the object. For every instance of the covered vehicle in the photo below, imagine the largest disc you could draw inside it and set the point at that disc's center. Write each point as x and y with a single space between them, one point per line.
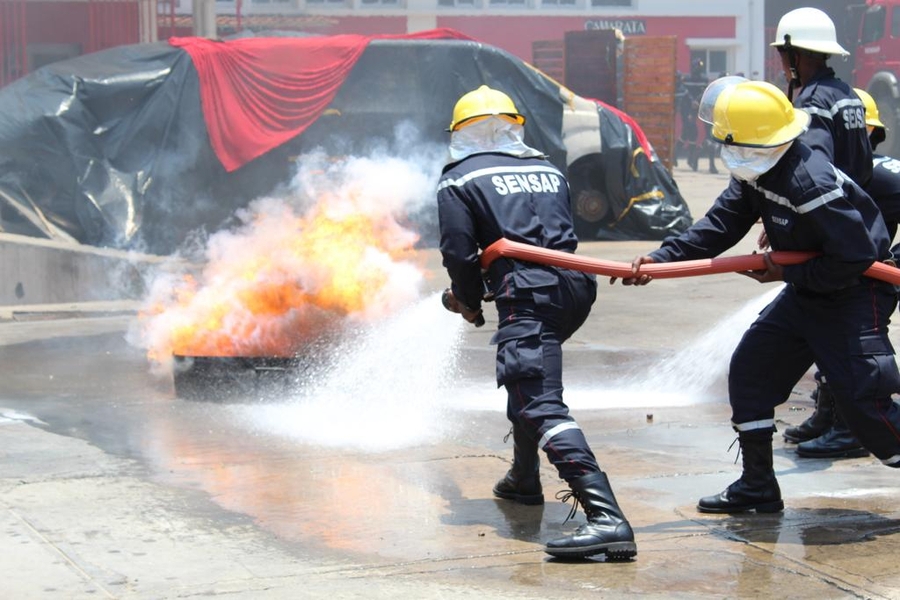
137 147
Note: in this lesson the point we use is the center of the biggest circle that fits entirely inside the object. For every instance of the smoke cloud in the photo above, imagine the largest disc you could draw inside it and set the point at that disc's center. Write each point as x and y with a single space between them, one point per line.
335 247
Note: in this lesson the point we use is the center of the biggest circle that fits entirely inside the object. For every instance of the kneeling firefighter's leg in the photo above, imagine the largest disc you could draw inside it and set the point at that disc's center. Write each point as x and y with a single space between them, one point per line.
522 482
757 489
606 530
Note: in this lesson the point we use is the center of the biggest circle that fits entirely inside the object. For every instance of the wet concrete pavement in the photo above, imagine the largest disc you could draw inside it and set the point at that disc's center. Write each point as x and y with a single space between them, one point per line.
111 487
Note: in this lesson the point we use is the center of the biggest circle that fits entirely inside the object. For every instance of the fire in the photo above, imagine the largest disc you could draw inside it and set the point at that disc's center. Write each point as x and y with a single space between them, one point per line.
283 280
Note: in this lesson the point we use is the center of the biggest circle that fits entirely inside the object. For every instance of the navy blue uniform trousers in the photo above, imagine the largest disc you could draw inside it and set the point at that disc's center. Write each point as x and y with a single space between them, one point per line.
539 308
845 334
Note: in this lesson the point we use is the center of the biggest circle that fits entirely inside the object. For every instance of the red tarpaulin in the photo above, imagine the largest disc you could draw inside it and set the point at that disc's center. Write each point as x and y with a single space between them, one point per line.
258 93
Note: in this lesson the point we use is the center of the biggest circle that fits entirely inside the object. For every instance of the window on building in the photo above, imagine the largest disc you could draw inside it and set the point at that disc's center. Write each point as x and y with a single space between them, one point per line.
556 3
502 3
718 63
376 3
457 3
714 61
612 2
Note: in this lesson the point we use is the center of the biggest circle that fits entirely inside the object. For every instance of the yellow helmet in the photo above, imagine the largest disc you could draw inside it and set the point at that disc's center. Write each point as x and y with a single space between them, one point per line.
872 117
484 102
757 114
711 94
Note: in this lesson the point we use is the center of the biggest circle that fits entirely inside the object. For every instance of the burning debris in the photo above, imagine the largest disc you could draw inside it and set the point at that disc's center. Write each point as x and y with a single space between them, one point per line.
329 254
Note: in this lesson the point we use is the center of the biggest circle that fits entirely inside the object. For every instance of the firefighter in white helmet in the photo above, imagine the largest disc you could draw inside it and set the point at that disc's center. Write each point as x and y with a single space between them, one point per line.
495 186
806 39
829 311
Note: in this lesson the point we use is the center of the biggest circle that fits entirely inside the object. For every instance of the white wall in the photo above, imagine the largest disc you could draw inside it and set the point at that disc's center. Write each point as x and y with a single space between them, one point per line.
39 271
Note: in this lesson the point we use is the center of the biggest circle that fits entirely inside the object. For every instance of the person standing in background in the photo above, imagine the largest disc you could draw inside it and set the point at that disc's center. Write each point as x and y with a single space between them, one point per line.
694 84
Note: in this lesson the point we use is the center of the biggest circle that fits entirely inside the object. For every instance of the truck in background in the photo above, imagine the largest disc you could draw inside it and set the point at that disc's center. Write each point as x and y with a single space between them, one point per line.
877 64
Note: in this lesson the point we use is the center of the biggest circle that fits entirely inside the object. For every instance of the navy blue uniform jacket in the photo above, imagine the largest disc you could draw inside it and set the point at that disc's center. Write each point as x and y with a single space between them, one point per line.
488 196
885 190
837 126
805 204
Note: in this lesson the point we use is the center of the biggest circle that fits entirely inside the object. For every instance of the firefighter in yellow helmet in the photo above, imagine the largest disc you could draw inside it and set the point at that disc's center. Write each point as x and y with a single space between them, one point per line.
805 39
829 312
884 187
496 186
481 104
877 130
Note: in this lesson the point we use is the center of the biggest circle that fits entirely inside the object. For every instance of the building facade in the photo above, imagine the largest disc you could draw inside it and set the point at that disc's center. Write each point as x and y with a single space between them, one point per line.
729 35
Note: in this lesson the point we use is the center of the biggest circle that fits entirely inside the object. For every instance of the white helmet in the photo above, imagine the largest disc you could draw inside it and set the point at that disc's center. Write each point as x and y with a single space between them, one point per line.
810 29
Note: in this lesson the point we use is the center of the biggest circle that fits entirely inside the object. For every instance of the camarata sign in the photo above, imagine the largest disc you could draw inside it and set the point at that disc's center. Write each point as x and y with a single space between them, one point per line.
626 26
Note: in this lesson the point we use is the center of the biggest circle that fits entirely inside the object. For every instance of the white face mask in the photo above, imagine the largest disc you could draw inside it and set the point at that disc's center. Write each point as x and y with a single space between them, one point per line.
747 164
493 134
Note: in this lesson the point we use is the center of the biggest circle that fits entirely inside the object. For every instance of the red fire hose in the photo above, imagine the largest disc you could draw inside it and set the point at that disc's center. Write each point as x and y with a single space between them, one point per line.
688 268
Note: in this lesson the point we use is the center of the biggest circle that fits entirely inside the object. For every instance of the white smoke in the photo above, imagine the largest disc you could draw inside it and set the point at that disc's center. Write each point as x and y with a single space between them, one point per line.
273 248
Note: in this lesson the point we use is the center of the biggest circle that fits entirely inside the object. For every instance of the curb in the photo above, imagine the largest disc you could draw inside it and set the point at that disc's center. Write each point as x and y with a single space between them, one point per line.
71 310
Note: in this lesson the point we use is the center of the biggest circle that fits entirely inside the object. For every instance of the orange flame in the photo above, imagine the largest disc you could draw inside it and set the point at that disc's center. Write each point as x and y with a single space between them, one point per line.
281 282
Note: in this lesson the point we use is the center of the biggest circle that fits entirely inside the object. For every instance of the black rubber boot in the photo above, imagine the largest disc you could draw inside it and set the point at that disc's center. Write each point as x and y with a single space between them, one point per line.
522 482
606 531
837 442
757 489
817 423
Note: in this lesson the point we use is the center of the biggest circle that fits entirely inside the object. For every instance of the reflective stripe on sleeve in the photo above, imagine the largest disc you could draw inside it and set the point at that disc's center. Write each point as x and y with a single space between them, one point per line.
804 208
461 181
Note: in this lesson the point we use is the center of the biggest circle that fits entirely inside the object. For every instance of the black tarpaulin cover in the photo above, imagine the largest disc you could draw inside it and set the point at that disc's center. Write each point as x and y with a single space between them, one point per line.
139 146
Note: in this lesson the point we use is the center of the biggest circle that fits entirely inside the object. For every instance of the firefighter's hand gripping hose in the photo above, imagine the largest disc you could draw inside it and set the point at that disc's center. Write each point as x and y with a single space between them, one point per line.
453 305
688 268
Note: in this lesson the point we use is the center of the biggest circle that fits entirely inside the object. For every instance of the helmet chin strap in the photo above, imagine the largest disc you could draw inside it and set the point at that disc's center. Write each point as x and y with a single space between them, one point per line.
792 63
